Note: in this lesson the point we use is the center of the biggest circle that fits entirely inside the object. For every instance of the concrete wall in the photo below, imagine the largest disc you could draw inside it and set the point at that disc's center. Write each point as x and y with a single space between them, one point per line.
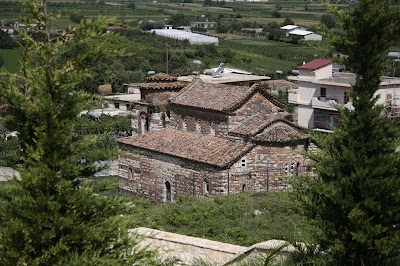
313 37
305 116
307 91
186 248
324 72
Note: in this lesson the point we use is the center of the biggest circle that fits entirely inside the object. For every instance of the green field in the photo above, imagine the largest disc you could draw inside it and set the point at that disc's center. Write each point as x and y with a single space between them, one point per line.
11 58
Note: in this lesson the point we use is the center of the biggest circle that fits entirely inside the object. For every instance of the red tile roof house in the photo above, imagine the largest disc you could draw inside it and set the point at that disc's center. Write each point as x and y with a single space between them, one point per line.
221 139
321 91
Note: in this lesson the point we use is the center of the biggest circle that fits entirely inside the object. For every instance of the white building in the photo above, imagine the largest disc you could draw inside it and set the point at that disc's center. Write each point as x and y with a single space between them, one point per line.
287 28
306 35
225 75
320 91
294 30
193 38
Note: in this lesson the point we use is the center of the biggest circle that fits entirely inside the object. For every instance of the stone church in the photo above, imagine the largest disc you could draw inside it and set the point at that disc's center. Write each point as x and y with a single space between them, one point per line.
215 139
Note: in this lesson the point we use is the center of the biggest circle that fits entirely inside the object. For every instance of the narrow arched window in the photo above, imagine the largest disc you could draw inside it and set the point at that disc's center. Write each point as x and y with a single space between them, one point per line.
244 188
168 196
206 186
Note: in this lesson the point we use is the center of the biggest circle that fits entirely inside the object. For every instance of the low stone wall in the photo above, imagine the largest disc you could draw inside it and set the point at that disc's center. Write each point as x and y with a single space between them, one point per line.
187 248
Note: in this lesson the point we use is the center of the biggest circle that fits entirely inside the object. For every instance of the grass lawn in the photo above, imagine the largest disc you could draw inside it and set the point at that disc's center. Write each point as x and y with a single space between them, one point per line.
11 59
241 219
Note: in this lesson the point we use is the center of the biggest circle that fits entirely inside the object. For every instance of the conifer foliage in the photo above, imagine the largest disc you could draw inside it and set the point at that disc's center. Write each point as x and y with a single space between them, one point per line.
51 216
355 200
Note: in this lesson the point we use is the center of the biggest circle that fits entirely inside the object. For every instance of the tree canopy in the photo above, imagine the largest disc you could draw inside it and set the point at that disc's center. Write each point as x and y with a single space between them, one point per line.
355 200
54 214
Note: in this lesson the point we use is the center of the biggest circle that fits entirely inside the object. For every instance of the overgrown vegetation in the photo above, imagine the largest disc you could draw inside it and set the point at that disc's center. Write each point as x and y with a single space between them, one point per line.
241 219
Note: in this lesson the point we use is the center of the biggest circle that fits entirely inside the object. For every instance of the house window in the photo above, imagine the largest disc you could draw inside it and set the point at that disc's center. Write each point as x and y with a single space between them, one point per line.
346 97
198 125
168 196
116 105
322 94
128 107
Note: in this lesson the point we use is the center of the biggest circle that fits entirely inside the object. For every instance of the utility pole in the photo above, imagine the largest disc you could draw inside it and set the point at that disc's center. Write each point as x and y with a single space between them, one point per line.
167 60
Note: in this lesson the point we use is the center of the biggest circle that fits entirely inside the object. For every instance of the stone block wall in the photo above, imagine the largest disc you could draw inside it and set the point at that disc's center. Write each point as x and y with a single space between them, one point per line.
208 123
155 170
158 97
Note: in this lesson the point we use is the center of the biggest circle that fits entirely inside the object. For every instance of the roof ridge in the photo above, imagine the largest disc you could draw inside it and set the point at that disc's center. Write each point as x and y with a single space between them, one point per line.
252 90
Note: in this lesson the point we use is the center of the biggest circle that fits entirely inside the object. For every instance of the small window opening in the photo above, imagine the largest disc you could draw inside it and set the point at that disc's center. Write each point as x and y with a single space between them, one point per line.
168 191
206 185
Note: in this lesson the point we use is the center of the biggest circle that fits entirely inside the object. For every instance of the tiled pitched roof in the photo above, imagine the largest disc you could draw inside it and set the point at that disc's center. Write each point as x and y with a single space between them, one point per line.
269 128
280 131
219 97
162 85
315 64
161 77
205 149
254 124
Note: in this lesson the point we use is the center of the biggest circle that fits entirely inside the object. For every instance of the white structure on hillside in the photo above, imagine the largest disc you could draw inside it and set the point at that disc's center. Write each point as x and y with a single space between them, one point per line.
320 91
294 30
193 38
230 76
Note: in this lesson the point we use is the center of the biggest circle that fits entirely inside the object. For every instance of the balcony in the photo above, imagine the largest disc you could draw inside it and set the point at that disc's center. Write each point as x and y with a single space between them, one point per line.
324 103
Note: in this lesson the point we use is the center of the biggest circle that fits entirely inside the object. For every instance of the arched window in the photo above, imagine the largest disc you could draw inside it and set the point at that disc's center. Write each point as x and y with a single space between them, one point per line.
130 173
244 188
184 122
212 128
198 125
168 195
206 186
286 170
297 168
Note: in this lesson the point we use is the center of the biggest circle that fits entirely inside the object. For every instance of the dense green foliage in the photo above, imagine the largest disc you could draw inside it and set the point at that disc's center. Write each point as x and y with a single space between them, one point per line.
242 219
10 151
355 201
6 42
51 216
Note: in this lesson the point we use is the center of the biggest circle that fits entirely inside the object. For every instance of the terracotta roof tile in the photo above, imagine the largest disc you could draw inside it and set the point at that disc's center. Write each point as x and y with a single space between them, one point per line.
205 149
254 124
219 97
162 85
315 64
161 77
280 131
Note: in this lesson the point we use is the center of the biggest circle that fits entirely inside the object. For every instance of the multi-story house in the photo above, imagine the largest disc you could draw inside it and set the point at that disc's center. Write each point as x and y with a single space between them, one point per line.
320 91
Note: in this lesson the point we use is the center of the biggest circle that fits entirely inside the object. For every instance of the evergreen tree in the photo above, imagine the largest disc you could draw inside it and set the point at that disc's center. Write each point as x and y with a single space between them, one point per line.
51 216
355 200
